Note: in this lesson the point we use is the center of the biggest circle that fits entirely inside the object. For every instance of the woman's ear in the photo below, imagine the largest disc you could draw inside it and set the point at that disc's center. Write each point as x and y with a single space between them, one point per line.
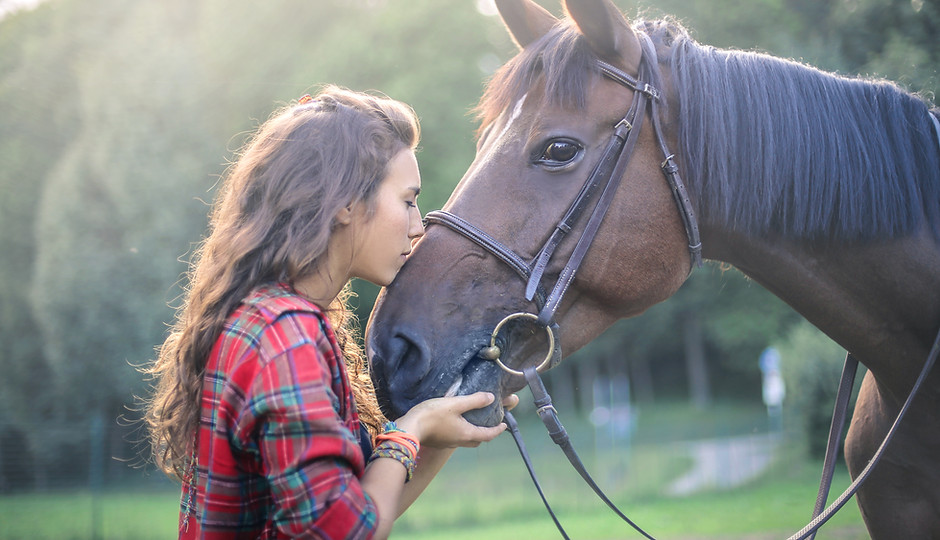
344 216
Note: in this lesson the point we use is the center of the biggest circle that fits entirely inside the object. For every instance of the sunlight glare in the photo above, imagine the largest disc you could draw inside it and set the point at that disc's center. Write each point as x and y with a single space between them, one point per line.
12 6
487 7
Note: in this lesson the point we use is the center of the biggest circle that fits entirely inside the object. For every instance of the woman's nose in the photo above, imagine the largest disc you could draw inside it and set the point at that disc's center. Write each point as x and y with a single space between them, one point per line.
417 226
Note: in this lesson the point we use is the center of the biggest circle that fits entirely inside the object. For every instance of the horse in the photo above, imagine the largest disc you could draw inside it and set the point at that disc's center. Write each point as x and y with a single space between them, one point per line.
822 188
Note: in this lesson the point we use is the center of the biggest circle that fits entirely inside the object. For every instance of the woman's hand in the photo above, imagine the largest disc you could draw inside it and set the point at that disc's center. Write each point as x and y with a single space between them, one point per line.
439 422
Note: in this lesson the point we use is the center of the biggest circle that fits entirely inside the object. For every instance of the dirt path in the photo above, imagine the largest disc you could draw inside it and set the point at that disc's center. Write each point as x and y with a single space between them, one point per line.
725 463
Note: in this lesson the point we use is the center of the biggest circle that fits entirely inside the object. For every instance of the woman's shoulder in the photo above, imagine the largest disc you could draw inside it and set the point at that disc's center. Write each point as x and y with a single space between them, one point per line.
271 323
275 299
273 319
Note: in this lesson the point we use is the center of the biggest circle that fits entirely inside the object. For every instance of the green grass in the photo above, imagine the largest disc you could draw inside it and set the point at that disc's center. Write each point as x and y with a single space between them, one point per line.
773 508
129 515
486 493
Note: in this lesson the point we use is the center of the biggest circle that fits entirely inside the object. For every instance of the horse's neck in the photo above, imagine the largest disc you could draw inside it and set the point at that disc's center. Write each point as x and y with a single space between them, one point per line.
880 301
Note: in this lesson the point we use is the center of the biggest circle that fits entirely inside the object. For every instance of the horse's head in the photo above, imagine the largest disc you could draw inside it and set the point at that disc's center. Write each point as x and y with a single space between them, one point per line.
548 120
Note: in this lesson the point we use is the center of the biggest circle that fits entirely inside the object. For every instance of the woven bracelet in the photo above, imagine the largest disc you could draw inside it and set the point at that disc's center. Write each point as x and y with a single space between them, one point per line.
393 433
397 451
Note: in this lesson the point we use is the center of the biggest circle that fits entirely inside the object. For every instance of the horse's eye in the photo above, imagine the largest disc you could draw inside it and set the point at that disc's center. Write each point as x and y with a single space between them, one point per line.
558 153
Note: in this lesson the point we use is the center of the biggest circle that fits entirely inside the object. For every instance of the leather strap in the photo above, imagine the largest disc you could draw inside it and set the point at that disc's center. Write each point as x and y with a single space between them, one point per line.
603 169
520 444
487 242
559 435
629 135
839 414
822 518
936 124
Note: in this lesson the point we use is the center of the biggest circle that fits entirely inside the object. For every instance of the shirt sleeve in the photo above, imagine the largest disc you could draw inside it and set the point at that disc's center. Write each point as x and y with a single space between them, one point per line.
308 454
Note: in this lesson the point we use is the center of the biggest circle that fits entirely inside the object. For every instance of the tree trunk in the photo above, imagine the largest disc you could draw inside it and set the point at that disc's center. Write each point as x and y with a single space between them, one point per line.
642 379
699 386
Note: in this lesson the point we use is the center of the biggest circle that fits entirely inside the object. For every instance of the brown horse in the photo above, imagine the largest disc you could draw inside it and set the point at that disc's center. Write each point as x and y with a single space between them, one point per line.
824 189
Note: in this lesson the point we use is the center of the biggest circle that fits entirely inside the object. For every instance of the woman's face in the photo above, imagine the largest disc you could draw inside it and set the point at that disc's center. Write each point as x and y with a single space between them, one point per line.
384 239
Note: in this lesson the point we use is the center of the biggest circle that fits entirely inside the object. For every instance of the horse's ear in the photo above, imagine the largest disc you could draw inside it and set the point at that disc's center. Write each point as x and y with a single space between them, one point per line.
525 20
606 30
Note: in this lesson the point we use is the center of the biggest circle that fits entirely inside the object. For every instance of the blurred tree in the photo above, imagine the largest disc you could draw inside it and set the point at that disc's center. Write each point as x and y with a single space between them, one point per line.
155 92
35 124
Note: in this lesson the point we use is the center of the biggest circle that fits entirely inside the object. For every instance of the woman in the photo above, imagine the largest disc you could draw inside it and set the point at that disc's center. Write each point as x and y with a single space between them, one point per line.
261 391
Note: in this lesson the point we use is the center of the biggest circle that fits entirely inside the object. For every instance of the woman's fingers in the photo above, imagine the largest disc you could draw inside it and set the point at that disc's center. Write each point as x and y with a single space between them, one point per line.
439 421
469 402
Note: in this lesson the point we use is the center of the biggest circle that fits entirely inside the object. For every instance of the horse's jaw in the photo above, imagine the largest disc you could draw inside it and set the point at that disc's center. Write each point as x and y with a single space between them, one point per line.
480 376
406 370
396 395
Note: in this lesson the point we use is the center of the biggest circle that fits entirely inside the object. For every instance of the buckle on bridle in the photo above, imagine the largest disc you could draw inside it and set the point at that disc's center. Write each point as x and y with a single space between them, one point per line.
650 91
668 164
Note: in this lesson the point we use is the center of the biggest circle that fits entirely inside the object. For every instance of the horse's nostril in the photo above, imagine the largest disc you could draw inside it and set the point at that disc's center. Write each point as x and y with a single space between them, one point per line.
399 362
407 357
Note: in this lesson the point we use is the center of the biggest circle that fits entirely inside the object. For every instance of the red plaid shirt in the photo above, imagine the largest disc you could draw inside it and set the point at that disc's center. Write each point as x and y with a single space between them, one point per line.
278 444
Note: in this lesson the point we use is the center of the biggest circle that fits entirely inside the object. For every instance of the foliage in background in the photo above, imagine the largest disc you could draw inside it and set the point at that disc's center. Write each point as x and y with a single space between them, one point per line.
811 364
117 118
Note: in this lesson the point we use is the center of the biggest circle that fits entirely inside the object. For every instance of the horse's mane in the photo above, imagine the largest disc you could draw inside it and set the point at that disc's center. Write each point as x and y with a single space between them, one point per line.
768 145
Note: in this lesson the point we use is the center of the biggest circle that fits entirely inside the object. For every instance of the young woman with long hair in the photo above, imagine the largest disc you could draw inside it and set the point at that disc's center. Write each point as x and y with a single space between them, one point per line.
262 405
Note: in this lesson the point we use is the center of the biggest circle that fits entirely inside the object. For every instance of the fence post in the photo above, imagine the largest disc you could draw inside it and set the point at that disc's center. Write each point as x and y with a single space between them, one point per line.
95 472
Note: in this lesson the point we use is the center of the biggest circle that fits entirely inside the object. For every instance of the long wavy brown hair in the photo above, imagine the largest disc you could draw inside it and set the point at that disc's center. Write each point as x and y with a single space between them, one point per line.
270 222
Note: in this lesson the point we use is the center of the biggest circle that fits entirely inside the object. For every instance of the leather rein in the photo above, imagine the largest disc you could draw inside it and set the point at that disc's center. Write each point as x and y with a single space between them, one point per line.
605 177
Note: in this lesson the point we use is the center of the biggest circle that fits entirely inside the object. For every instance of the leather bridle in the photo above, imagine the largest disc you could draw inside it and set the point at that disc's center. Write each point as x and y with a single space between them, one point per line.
604 178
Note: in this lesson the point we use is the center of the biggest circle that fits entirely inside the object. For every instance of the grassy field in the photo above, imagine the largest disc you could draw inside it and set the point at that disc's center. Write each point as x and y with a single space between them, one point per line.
486 493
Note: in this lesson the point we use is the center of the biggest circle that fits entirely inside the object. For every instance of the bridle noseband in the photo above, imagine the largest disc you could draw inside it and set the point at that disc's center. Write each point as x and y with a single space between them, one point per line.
604 178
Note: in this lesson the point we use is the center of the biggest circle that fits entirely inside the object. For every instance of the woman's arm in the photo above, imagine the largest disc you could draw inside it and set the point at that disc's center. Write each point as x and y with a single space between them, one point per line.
440 427
384 482
431 460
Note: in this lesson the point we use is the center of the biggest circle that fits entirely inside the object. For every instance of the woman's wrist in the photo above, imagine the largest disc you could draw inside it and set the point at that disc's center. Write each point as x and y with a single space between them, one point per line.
409 424
399 445
392 432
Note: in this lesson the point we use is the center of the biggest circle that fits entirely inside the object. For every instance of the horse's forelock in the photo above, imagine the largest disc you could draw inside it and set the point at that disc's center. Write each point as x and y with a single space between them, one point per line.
565 60
561 56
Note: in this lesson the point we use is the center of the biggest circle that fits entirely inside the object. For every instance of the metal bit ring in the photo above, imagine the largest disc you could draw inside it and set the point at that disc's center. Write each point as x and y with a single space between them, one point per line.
494 351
